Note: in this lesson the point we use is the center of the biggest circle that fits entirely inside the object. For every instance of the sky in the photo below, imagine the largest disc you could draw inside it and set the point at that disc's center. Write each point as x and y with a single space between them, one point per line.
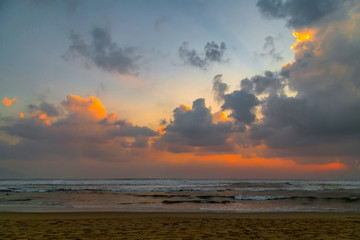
253 89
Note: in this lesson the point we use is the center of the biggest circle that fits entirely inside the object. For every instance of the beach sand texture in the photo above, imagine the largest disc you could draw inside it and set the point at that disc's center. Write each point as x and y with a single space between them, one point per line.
179 226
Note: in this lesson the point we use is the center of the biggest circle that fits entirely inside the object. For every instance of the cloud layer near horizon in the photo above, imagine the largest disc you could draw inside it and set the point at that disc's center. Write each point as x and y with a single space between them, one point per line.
84 130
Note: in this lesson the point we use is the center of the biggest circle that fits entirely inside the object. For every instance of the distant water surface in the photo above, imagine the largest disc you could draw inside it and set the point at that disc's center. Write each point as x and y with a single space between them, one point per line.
159 195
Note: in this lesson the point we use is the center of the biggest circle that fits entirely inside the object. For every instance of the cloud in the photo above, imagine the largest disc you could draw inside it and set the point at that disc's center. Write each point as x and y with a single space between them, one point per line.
270 83
194 127
128 130
242 104
298 13
308 111
213 52
8 102
163 122
219 87
323 118
80 129
269 50
47 108
90 108
103 52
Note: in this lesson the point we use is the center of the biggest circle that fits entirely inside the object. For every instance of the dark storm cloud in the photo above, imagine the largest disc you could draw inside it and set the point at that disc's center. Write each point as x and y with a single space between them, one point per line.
103 52
213 52
195 128
298 13
219 87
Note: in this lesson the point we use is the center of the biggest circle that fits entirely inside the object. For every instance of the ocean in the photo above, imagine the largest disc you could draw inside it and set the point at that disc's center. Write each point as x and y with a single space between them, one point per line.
179 195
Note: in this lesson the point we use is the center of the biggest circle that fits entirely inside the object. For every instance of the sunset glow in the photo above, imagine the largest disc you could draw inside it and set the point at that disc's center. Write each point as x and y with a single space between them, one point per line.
220 117
301 37
184 108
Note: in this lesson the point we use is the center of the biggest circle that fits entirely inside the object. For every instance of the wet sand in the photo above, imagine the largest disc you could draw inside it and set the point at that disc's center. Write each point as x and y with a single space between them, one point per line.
179 225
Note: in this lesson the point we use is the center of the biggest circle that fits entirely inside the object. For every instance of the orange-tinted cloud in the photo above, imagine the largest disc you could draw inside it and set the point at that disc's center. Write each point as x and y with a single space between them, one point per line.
7 102
103 138
89 107
288 64
42 117
161 130
302 36
21 115
184 108
220 117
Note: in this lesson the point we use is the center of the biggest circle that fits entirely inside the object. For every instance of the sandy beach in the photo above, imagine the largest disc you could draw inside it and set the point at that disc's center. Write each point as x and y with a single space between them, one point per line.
98 225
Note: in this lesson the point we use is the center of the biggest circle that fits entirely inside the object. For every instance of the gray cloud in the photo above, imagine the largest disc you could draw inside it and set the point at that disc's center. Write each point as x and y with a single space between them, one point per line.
191 56
103 52
213 52
195 128
72 136
298 13
219 87
270 82
25 128
48 108
134 131
323 119
269 50
163 122
242 104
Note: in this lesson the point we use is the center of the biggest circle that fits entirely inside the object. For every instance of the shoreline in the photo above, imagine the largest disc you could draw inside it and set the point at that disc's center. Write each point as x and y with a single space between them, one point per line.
96 214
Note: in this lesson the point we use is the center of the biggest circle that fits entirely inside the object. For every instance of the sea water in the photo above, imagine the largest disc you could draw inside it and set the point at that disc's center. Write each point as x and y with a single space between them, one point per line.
179 195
